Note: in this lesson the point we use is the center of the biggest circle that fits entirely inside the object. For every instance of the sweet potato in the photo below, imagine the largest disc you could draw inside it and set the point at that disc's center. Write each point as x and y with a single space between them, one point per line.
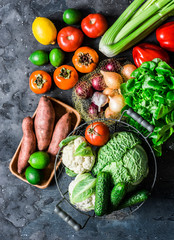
62 129
28 145
44 123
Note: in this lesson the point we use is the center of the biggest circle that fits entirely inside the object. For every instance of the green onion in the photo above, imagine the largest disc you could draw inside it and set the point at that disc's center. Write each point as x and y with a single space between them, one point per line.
120 37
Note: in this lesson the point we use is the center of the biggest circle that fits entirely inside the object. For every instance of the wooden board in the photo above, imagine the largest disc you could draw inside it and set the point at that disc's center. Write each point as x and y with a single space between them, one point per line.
48 173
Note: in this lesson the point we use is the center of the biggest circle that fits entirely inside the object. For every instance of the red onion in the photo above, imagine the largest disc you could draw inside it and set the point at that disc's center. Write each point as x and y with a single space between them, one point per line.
112 66
84 89
98 82
93 111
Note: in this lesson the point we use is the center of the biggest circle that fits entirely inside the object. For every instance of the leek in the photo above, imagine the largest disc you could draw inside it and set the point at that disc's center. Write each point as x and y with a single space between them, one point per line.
126 32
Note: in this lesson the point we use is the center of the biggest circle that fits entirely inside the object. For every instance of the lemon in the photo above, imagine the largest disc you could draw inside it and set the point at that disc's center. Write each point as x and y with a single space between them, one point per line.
44 31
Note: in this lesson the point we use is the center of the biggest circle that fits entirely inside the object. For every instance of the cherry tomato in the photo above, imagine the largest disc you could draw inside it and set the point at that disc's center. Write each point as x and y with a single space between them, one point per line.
85 59
40 82
65 77
94 25
70 38
97 133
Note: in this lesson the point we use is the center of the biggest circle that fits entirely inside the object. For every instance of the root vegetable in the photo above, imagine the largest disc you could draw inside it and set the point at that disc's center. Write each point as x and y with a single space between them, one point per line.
110 114
112 79
84 89
44 123
116 103
110 92
127 70
61 131
93 111
28 143
98 82
111 65
99 99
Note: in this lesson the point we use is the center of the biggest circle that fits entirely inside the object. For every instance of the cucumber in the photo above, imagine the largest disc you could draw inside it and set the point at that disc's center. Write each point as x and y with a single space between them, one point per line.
117 194
136 198
102 193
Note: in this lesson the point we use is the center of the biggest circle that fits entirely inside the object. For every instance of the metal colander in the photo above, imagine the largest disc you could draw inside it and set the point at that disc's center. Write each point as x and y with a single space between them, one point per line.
63 180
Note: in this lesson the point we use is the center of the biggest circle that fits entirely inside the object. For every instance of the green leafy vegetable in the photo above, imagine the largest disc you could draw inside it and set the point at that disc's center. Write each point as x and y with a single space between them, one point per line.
115 149
70 172
151 94
67 140
83 187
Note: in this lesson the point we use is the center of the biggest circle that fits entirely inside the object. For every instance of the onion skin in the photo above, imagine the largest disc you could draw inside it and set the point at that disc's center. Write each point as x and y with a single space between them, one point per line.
116 103
127 70
98 82
112 79
109 92
93 111
84 89
110 114
111 66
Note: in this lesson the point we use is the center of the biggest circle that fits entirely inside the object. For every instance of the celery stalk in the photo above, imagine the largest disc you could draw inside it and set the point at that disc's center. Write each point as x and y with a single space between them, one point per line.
111 33
141 32
134 23
146 5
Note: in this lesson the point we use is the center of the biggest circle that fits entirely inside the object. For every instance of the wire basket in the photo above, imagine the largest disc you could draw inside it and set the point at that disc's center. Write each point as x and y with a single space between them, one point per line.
63 180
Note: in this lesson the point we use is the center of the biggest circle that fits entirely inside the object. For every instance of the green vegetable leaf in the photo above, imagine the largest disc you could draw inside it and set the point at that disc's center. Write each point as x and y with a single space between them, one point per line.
84 187
83 150
70 172
151 95
67 140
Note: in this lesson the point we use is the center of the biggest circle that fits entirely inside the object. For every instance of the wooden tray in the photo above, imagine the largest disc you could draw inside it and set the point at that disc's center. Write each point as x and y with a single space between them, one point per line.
48 173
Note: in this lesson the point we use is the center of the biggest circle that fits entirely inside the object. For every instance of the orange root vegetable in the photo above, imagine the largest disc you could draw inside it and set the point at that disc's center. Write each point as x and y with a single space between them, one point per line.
44 123
110 114
61 131
112 79
127 70
28 144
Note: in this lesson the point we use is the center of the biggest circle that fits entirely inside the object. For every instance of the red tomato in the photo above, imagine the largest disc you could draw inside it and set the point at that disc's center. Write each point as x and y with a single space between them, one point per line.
97 133
94 25
70 38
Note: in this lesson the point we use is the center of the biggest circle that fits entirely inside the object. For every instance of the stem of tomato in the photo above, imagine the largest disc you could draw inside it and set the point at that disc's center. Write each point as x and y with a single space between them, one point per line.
91 130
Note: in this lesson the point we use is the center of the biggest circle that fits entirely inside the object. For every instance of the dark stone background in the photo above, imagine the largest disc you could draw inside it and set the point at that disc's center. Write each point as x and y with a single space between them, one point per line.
25 211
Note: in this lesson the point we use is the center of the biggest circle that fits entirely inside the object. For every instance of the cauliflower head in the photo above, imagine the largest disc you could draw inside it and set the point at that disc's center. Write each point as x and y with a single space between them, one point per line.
78 164
87 203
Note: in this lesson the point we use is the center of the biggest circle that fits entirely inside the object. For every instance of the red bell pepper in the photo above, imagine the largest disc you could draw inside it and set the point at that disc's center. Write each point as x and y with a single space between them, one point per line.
165 36
147 52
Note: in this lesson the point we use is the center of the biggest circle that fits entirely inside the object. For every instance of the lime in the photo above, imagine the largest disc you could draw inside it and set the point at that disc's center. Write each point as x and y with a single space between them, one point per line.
72 16
39 160
33 175
56 57
39 57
